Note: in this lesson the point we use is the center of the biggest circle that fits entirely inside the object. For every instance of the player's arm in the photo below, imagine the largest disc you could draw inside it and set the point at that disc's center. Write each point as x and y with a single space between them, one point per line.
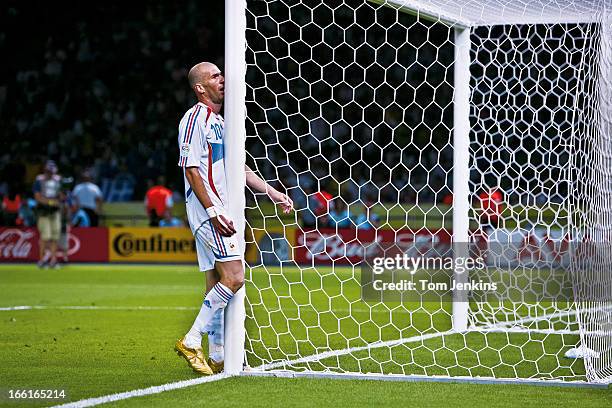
221 223
192 151
259 185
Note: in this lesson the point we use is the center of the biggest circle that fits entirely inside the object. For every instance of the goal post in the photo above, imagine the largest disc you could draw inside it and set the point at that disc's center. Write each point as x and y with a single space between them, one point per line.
461 169
429 128
235 159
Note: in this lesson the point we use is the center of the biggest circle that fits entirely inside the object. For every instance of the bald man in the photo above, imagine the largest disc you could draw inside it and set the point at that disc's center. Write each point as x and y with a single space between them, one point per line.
202 159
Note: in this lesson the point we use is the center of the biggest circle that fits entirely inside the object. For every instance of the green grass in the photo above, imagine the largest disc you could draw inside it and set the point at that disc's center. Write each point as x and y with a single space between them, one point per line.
263 392
97 352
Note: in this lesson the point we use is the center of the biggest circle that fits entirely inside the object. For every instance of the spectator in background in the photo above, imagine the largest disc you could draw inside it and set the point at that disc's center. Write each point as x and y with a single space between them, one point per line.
27 212
448 199
80 219
339 215
11 203
47 192
158 200
170 221
302 197
322 199
365 222
491 204
88 197
316 211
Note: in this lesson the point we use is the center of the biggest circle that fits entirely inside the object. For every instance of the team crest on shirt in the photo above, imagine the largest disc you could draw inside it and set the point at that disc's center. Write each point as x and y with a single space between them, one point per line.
185 150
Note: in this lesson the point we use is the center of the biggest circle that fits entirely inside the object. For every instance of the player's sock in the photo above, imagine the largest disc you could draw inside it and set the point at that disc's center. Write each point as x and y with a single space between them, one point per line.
216 299
216 334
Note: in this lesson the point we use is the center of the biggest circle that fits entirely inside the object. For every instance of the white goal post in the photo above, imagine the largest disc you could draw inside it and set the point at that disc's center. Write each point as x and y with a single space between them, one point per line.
460 123
235 153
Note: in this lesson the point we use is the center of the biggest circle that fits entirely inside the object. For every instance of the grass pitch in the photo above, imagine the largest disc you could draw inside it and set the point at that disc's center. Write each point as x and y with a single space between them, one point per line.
103 329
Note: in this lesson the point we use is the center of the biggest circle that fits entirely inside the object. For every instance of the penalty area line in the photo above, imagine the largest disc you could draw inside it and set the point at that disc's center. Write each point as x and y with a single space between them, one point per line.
157 389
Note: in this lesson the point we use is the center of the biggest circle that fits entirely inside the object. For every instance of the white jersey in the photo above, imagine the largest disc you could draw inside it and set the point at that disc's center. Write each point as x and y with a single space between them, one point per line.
200 142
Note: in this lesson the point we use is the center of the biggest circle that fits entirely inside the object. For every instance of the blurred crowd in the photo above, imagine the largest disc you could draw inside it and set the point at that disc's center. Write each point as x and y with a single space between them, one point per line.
101 88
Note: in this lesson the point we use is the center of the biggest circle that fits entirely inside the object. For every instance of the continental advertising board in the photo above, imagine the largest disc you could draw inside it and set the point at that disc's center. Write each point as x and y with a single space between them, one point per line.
151 245
177 245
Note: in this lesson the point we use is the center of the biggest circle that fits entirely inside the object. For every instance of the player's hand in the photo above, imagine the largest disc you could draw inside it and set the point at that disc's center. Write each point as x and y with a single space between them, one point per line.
282 200
223 225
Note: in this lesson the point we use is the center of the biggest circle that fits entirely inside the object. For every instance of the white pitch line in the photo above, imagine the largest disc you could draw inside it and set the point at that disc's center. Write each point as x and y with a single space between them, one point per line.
90 402
41 307
9 308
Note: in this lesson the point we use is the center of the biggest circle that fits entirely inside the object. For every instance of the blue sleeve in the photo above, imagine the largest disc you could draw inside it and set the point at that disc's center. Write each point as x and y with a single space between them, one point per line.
37 187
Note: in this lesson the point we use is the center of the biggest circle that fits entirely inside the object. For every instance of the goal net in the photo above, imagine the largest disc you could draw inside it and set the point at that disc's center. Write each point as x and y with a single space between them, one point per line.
431 130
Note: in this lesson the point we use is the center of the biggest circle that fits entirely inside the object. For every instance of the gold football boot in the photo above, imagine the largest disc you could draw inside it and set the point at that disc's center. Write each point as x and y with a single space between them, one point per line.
216 367
194 357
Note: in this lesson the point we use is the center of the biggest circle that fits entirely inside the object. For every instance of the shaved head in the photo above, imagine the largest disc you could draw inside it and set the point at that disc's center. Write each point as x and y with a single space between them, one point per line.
207 83
199 72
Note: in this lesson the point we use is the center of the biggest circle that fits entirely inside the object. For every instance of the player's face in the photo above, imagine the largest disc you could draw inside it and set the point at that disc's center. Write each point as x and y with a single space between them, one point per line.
215 85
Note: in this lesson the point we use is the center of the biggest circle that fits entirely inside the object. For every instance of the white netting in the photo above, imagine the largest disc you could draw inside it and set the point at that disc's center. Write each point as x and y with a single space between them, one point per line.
350 109
499 12
592 216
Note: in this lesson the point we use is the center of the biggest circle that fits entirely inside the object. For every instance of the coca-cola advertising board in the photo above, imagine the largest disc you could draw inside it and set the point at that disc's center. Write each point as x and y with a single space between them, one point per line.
84 244
350 246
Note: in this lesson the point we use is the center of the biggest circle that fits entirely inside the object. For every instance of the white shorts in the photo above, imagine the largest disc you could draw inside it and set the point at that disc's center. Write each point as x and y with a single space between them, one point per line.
213 247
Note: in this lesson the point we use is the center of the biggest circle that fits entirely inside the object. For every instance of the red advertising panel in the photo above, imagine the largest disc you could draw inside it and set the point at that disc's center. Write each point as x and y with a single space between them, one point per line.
350 246
88 244
84 245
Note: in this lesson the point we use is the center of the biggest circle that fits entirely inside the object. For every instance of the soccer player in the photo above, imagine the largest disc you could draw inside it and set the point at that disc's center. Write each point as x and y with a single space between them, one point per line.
200 142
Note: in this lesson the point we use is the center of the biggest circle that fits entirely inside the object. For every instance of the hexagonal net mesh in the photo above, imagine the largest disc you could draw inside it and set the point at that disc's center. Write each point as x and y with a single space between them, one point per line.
351 111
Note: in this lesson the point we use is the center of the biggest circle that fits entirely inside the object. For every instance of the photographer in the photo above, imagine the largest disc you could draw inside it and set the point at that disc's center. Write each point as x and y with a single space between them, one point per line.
48 196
